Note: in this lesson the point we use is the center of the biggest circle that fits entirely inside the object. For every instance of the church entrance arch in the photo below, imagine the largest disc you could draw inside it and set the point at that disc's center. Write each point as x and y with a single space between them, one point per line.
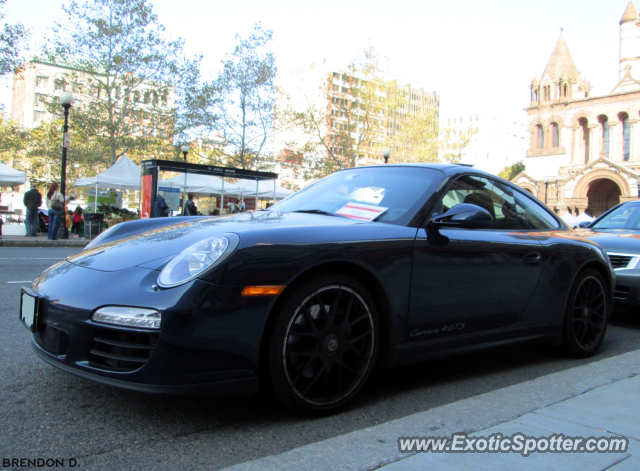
603 194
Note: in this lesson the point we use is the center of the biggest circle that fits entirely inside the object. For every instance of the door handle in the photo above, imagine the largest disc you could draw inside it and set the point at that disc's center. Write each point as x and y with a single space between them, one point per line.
532 258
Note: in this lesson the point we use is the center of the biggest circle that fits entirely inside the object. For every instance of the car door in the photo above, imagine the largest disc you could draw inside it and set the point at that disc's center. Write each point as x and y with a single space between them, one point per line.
467 280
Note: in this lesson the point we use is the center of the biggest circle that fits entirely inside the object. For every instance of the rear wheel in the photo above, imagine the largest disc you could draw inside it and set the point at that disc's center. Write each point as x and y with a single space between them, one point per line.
587 314
323 344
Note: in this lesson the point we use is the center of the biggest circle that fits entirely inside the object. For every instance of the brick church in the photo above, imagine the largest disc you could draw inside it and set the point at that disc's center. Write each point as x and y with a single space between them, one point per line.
584 154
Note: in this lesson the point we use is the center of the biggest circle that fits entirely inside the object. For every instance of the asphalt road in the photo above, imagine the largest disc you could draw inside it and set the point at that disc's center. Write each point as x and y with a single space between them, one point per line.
46 413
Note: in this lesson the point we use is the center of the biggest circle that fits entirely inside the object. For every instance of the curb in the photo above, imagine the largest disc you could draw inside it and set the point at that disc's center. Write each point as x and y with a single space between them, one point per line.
374 447
43 243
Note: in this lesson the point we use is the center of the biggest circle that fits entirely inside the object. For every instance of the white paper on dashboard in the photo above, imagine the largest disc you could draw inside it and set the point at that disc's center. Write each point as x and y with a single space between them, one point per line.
364 212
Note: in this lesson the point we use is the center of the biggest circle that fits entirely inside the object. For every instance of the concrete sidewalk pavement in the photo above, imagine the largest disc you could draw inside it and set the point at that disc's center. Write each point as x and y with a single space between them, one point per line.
41 241
600 399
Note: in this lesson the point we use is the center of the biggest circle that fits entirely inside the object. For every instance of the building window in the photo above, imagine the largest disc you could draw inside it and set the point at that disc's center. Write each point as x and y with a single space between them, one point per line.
606 136
540 137
556 134
41 81
39 117
626 138
584 125
40 100
59 85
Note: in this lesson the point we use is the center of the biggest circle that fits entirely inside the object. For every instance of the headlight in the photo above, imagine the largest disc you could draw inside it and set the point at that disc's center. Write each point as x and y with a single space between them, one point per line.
197 259
128 316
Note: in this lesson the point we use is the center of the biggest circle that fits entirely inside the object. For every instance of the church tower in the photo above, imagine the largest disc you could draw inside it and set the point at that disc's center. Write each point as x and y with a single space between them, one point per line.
630 42
560 81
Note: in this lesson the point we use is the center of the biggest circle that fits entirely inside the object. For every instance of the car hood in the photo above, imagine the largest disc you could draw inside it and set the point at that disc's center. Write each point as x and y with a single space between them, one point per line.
614 240
154 248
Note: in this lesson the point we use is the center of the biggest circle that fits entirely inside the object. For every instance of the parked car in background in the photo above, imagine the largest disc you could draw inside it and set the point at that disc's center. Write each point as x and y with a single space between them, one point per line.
618 232
368 267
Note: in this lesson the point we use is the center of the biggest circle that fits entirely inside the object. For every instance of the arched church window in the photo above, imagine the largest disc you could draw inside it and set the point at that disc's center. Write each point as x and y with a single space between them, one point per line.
535 95
584 125
540 137
626 137
556 134
565 90
606 136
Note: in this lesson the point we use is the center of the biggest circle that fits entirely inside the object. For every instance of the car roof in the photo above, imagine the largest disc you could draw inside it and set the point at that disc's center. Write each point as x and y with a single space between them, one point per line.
447 168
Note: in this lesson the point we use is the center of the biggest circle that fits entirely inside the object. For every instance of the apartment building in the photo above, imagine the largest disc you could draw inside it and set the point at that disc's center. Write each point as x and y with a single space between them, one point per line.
334 93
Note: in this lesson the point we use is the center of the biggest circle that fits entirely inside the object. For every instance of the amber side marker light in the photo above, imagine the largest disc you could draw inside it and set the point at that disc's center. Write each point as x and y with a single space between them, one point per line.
263 290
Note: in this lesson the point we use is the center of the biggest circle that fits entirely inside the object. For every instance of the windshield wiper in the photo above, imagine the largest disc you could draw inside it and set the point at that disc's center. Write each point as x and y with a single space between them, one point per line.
317 211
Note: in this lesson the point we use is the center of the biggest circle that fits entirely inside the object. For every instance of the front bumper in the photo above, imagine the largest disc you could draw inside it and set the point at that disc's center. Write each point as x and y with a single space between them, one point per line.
627 292
209 340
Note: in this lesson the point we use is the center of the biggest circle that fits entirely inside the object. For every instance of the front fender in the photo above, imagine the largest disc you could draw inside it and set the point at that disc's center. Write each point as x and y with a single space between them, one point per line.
129 228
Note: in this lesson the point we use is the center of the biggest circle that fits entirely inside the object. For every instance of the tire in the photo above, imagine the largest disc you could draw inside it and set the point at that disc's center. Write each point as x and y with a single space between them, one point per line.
323 344
587 314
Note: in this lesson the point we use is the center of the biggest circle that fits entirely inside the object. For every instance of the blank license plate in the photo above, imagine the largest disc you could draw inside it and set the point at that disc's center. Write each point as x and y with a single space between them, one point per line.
29 311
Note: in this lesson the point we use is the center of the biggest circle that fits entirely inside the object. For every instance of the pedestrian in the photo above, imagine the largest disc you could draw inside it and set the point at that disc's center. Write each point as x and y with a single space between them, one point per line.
215 212
76 221
32 201
1 223
190 208
55 203
160 207
243 207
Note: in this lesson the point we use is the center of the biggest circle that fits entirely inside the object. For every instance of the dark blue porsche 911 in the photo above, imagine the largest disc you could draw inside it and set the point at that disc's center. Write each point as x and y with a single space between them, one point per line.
370 267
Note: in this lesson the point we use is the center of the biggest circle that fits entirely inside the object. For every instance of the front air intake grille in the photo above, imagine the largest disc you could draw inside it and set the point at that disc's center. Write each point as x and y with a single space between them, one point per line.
621 292
620 261
123 351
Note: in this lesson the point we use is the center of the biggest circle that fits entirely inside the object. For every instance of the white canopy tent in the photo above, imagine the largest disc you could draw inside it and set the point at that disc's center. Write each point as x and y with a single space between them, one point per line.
201 184
264 189
584 217
570 219
11 177
123 175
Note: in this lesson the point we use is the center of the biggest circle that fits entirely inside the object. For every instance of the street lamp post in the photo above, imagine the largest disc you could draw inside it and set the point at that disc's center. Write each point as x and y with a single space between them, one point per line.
66 100
185 150
638 183
386 153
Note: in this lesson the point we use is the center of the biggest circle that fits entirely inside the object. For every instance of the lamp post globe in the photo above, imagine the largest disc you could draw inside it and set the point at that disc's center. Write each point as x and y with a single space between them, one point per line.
185 150
386 153
66 100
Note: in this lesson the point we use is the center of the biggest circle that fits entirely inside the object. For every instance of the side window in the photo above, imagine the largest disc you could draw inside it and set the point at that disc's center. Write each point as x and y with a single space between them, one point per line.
537 215
510 209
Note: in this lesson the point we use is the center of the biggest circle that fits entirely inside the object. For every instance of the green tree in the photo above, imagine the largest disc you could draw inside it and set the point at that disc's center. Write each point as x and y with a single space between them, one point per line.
511 171
13 40
134 86
13 140
44 154
240 102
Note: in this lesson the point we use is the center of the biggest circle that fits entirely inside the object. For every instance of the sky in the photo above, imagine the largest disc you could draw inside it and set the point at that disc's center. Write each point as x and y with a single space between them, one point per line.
479 56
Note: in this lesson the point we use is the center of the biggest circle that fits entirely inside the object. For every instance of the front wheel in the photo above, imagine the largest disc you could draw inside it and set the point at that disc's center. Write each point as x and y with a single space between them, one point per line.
323 345
587 315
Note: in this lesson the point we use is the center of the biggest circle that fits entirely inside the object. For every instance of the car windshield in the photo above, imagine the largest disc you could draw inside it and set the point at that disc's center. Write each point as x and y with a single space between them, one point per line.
381 194
626 216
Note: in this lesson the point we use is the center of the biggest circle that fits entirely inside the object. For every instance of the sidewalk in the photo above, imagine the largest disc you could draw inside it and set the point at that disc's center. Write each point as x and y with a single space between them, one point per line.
40 241
600 399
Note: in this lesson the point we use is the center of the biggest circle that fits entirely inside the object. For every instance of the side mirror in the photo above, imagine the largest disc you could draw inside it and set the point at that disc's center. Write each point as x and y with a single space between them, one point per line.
465 215
584 224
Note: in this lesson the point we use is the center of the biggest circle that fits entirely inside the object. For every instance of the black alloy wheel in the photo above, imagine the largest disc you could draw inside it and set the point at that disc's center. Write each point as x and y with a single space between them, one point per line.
324 345
587 314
